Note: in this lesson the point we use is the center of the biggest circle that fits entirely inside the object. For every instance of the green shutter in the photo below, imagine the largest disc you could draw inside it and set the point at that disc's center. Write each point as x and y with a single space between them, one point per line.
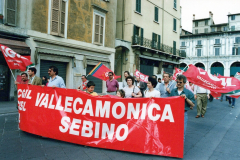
159 42
233 51
175 4
153 40
174 47
238 51
174 24
138 6
156 14
141 36
134 33
11 12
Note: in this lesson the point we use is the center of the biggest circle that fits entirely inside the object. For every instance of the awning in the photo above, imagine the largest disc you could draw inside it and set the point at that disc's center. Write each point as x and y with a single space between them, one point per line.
158 59
19 47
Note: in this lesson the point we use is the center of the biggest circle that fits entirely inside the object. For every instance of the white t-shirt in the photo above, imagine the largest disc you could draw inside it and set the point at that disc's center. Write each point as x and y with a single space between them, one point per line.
129 91
154 93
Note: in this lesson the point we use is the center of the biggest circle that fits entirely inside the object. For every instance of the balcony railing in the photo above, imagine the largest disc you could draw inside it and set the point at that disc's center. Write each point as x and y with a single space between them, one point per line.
137 40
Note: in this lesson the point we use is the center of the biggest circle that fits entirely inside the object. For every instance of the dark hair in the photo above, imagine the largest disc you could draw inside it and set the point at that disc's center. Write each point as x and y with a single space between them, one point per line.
182 77
33 69
153 81
54 68
110 72
25 74
90 83
130 77
84 76
127 72
170 74
122 93
159 79
154 76
45 77
167 74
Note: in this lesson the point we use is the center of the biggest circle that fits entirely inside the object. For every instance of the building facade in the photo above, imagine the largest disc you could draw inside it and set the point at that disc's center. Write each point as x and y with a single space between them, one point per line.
72 35
147 35
213 47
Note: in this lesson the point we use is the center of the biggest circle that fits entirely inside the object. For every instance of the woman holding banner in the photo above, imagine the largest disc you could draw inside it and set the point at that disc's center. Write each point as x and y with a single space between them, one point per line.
152 92
130 90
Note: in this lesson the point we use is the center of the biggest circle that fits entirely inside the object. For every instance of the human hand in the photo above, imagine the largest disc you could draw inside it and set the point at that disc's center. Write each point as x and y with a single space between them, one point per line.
183 96
168 90
133 94
53 86
195 96
208 96
42 86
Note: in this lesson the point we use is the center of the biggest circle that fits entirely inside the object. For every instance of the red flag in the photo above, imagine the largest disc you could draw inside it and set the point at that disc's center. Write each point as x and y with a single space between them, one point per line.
101 71
14 60
143 77
206 80
177 72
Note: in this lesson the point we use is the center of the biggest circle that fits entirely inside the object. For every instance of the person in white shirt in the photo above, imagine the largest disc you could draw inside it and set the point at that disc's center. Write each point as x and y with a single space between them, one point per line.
202 96
151 92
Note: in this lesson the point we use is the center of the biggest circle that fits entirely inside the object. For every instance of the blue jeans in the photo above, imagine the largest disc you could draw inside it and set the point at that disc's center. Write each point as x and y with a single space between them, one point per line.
185 123
232 101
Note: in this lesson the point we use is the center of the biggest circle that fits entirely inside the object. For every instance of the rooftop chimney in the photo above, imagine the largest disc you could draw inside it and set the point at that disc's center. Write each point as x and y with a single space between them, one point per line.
193 16
210 14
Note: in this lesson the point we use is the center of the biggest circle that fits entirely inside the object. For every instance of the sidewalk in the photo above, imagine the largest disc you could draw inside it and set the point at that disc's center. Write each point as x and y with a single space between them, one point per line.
8 107
214 137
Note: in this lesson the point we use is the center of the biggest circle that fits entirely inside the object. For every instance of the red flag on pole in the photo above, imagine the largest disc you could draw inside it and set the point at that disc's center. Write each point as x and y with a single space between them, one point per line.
206 80
14 60
177 72
143 77
101 71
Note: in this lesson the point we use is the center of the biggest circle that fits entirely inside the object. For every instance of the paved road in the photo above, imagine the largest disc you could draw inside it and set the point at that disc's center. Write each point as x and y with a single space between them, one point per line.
217 136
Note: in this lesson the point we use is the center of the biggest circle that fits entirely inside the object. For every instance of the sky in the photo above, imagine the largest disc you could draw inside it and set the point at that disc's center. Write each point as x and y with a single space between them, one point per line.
201 8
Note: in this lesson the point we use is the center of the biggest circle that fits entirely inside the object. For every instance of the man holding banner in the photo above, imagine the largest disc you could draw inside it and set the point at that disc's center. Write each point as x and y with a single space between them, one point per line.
186 94
112 84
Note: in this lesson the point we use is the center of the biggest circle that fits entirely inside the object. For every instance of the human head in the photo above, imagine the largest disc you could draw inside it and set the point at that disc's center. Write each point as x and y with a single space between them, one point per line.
126 73
166 77
130 80
52 71
110 75
121 93
152 82
171 76
90 86
154 76
32 71
84 78
190 83
138 79
181 80
159 80
44 78
24 76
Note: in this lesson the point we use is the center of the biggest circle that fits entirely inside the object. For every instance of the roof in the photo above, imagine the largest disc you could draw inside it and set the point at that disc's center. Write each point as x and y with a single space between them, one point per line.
186 31
222 24
234 14
201 19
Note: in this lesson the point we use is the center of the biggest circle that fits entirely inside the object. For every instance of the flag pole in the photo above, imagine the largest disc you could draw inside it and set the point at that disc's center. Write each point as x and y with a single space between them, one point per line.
13 75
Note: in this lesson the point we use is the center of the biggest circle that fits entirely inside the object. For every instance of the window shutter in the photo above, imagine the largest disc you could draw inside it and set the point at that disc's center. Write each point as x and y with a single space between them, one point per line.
156 14
97 26
174 24
233 51
101 30
136 5
141 36
238 51
174 47
11 12
139 7
175 4
55 17
159 42
62 18
153 35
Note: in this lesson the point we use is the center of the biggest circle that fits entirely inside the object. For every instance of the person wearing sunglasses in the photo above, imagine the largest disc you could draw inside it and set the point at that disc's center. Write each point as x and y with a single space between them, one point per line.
186 94
111 84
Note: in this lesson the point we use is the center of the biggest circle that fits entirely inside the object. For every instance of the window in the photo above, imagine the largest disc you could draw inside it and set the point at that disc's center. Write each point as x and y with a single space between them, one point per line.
98 32
232 28
196 24
199 42
217 41
175 4
156 14
206 22
233 17
11 12
174 24
199 52
58 17
138 6
196 31
224 28
136 33
213 29
237 40
206 30
154 40
183 43
218 29
233 51
217 51
174 47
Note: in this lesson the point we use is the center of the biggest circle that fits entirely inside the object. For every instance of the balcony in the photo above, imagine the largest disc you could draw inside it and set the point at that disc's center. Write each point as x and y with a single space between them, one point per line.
137 40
